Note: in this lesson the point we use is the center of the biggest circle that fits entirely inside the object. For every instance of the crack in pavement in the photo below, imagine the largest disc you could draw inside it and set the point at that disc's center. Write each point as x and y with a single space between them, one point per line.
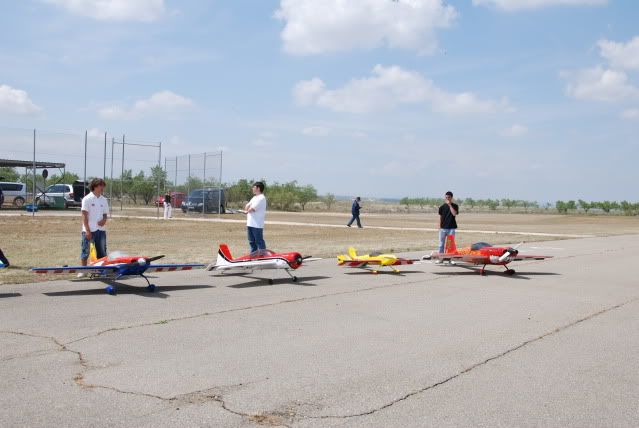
476 365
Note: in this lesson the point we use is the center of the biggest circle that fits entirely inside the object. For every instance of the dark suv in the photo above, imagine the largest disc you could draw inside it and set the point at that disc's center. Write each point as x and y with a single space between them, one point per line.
212 200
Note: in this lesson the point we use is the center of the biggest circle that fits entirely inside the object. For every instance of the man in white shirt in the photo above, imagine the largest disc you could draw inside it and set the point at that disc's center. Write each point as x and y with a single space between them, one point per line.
255 215
95 209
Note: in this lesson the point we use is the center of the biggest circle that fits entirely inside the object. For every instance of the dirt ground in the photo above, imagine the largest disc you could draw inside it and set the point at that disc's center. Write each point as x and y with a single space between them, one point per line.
53 238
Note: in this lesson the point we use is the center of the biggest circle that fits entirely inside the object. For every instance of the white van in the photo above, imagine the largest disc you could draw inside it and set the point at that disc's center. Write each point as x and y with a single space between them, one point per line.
14 193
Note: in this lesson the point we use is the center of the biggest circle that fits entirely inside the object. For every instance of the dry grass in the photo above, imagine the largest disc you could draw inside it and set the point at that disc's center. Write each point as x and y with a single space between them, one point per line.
54 240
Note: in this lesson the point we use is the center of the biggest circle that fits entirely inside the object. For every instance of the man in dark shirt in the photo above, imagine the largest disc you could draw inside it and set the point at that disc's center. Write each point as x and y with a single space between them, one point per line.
355 212
167 206
447 223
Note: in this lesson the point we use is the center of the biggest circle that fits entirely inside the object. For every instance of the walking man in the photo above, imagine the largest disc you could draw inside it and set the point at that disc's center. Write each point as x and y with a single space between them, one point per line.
95 209
355 212
447 222
167 206
255 216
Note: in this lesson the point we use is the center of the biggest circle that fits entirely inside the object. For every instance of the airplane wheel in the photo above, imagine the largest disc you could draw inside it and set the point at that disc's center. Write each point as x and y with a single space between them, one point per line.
510 272
110 289
151 288
294 279
375 272
271 282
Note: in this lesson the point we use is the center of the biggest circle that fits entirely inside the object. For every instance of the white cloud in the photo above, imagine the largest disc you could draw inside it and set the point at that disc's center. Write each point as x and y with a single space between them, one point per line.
621 55
599 84
16 101
163 103
114 10
320 26
261 142
515 5
94 133
514 131
630 114
316 131
388 88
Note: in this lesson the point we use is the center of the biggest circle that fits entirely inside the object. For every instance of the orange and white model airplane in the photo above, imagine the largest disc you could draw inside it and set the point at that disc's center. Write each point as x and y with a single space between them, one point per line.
377 261
483 254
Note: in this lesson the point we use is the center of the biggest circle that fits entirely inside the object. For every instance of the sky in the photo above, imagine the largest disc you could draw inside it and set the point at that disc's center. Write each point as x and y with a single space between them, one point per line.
522 99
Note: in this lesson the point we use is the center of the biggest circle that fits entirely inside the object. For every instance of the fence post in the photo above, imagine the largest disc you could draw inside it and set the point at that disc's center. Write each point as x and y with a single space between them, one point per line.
122 173
33 204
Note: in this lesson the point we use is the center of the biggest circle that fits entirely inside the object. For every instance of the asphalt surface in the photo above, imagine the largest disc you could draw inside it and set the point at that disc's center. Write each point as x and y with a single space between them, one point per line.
554 345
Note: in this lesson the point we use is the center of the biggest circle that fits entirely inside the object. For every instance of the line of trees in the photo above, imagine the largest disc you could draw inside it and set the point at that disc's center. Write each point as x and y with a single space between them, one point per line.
625 207
491 204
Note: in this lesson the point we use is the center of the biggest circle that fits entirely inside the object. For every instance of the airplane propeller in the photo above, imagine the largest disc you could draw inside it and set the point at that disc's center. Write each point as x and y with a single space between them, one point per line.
510 252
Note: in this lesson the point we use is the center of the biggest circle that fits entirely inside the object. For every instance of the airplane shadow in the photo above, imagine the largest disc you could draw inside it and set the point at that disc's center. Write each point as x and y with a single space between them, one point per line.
262 282
384 272
517 275
5 295
122 288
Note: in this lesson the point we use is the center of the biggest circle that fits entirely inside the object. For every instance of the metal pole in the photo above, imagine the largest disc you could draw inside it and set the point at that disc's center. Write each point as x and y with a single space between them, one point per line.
122 174
85 162
219 208
176 165
112 184
188 182
104 168
158 183
203 185
33 204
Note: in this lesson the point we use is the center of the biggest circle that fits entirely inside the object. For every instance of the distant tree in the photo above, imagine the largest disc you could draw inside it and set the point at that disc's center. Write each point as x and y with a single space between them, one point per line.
470 202
329 200
306 194
405 201
143 187
492 204
584 205
508 203
562 207
8 174
571 205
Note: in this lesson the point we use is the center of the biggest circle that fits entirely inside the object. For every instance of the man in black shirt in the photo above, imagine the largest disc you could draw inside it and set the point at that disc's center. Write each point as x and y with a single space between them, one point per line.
167 206
447 223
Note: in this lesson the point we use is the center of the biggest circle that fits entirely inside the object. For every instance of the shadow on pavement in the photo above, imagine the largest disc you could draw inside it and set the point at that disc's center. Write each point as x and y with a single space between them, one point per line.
384 272
129 289
262 282
5 295
517 275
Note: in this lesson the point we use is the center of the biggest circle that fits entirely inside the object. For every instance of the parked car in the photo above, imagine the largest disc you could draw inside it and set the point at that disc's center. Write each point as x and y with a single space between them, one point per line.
176 199
58 190
14 193
209 200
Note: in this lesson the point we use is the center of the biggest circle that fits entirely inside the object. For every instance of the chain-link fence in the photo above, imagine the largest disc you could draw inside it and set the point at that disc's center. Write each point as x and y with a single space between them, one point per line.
132 168
196 181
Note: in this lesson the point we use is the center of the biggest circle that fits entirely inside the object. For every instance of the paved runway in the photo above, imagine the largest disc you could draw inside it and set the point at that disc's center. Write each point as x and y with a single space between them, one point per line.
555 345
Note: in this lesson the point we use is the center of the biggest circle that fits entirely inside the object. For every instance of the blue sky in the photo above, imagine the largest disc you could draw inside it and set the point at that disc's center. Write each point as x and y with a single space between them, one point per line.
527 99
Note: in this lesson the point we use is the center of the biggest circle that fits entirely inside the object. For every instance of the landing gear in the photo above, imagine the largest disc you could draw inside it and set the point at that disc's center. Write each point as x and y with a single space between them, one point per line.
293 277
151 288
110 290
510 272
482 271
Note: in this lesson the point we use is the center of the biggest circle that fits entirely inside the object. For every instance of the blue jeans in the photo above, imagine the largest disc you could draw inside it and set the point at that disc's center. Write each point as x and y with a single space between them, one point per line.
443 233
355 217
256 238
99 240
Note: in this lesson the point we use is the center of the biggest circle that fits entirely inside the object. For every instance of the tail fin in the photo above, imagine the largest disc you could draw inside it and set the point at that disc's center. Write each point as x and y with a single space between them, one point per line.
352 253
450 245
224 252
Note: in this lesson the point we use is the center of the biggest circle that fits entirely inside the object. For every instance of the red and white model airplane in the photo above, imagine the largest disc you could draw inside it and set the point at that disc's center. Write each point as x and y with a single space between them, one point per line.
483 254
259 260
119 266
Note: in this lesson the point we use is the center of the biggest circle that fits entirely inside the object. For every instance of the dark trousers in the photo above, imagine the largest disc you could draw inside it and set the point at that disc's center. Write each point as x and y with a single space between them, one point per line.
355 217
256 238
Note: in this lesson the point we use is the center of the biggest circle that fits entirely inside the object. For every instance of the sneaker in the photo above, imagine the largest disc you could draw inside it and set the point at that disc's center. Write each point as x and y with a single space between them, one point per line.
348 225
81 275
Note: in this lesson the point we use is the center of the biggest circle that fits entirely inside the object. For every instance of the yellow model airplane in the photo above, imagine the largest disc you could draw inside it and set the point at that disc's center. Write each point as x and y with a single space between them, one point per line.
377 261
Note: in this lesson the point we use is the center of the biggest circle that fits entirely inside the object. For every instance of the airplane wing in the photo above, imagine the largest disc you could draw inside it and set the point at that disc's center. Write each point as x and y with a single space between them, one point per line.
75 269
172 267
526 257
464 258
